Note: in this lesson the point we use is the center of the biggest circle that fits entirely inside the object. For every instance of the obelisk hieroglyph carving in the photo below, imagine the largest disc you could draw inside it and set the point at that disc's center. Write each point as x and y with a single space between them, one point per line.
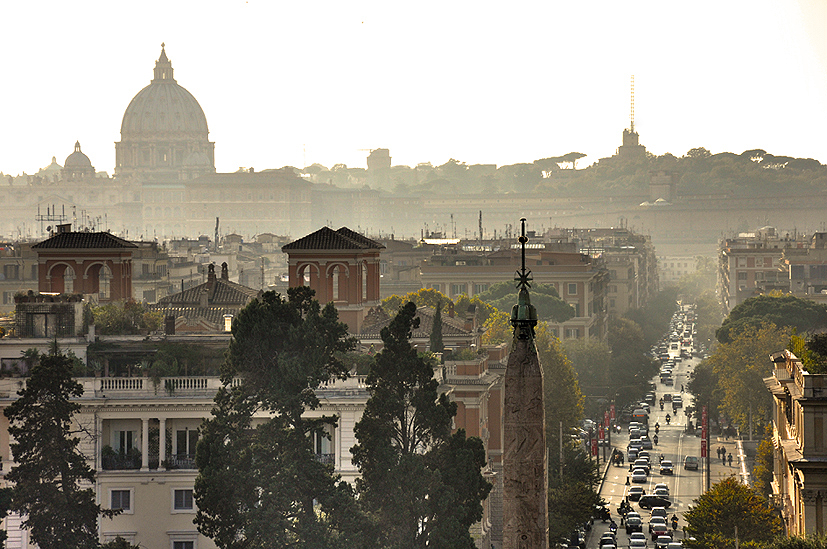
525 481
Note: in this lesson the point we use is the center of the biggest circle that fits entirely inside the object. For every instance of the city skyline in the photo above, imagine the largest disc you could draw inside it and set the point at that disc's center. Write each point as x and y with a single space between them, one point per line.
325 83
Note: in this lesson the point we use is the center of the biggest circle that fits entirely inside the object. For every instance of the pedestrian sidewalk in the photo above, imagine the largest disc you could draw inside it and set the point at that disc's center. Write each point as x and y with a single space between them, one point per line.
741 461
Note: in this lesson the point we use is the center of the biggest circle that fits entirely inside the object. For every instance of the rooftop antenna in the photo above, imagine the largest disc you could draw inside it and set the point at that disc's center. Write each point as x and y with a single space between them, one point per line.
633 104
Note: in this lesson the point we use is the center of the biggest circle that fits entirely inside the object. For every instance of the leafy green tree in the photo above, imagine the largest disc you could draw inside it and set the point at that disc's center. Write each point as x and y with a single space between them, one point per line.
631 366
497 329
52 481
781 310
259 482
562 397
423 485
119 543
503 296
590 358
436 331
5 506
796 542
572 498
125 317
762 470
741 366
711 521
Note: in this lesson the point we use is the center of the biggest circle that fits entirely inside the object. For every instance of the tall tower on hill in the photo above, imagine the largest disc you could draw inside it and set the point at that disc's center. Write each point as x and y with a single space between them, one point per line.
631 147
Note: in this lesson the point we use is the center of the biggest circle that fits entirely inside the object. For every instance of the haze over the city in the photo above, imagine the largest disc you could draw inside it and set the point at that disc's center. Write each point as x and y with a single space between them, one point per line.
324 82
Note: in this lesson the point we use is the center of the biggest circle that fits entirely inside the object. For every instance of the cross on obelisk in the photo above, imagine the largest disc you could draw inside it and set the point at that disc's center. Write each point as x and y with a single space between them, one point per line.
525 462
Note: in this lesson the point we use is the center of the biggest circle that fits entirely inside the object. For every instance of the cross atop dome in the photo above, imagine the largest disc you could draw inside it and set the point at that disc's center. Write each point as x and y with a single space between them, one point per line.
163 67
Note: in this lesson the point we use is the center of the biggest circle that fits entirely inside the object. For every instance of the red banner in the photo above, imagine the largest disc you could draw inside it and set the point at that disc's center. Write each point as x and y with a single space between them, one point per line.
703 448
612 412
606 419
594 446
601 434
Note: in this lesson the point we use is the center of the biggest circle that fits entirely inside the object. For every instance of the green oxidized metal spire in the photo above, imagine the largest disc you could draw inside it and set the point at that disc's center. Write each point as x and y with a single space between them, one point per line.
523 314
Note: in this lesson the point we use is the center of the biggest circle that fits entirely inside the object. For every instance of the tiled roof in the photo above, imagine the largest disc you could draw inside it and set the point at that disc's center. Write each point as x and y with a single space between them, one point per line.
223 293
75 240
451 327
212 315
328 239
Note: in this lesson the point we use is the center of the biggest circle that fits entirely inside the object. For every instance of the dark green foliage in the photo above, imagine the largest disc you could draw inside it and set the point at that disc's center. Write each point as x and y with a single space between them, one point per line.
423 485
260 483
436 331
571 500
711 521
812 351
5 506
125 317
783 311
762 470
119 543
503 296
52 479
653 318
809 542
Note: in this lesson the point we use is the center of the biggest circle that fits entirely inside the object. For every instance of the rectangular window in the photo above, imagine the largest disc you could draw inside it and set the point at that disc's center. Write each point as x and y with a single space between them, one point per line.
182 500
572 288
183 545
742 275
124 441
457 289
480 288
572 333
120 499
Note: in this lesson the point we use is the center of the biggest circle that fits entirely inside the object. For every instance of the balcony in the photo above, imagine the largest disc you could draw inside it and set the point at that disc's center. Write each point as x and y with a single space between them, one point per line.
327 459
119 461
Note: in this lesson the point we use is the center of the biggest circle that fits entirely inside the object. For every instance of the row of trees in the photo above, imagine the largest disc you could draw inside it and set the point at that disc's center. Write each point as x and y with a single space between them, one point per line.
259 478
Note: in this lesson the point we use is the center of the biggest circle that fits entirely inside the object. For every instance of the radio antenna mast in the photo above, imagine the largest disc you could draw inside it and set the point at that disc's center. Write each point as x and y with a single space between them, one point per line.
633 104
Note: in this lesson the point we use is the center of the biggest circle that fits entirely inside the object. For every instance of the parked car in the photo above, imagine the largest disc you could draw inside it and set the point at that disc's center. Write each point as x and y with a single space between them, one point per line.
690 462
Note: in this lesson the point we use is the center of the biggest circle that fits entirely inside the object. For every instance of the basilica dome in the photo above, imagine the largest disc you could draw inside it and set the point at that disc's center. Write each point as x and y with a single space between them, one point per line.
162 127
77 159
163 107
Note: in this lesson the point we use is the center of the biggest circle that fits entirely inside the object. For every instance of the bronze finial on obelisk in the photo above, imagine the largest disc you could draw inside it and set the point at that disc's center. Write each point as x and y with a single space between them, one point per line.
525 482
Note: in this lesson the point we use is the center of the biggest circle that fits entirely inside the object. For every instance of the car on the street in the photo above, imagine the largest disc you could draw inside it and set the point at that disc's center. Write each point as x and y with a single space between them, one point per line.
639 476
647 442
633 522
674 545
637 544
641 463
637 536
659 511
662 485
649 501
662 542
690 462
666 467
661 492
635 493
607 539
657 527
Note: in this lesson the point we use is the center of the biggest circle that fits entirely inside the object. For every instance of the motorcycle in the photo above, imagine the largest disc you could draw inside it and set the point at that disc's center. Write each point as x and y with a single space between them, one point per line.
668 418
657 428
661 406
655 440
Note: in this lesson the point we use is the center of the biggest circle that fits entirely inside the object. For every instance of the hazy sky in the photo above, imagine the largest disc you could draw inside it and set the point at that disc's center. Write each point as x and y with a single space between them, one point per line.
284 83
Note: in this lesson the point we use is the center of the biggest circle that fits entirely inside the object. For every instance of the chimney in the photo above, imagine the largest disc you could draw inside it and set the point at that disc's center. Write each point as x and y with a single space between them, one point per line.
225 271
169 325
471 319
210 275
204 298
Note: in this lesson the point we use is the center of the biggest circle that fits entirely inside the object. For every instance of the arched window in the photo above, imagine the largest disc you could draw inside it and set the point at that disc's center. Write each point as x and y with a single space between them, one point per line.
104 279
69 280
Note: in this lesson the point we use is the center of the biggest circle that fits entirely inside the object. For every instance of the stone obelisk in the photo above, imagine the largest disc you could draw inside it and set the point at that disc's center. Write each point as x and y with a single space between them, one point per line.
525 481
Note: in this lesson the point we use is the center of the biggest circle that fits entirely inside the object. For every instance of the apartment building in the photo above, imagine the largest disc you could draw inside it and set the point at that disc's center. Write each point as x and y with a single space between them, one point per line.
750 264
580 280
799 485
